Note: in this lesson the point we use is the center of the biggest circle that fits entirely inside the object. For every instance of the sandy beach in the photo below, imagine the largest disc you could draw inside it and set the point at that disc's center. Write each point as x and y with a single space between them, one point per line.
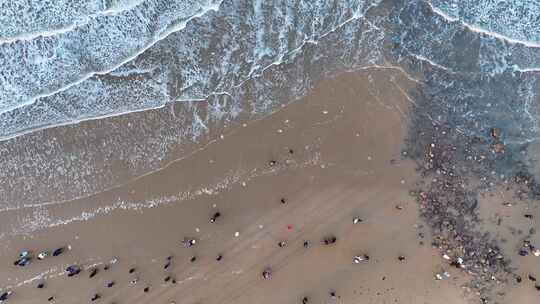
332 156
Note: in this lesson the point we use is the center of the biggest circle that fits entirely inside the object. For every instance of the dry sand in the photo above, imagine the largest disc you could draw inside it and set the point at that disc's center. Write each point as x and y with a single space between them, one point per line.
338 156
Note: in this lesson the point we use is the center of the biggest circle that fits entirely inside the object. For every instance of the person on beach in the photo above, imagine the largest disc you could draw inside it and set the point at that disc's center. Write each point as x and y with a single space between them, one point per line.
5 296
267 273
73 270
22 261
282 244
42 255
214 217
58 251
188 242
95 297
329 240
93 272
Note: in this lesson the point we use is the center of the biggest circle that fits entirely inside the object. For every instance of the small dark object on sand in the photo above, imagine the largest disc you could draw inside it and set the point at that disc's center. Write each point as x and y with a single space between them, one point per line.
214 217
110 284
189 242
73 270
518 279
291 151
4 296
173 281
532 278
146 289
267 273
537 287
332 294
167 265
329 240
193 259
219 257
22 262
167 279
282 244
41 285
132 270
106 267
401 258
58 251
50 299
305 300
272 163
523 252
169 258
93 272
306 244
95 297
529 216
282 200
399 207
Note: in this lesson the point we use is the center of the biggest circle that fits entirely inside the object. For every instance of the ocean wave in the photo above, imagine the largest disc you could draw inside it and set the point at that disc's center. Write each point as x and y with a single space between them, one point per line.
244 61
45 66
101 95
513 21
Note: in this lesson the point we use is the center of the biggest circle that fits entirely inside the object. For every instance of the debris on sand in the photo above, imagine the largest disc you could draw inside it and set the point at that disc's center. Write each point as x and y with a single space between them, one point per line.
356 220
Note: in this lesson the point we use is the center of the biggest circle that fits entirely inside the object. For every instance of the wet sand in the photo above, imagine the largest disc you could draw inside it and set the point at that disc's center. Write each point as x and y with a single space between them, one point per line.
337 156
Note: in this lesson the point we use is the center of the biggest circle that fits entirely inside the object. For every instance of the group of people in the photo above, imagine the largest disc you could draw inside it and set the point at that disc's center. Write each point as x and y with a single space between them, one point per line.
26 257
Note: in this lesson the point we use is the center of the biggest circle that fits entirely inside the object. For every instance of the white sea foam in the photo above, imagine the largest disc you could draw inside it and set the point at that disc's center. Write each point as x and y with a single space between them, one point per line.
41 218
533 43
85 96
54 64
